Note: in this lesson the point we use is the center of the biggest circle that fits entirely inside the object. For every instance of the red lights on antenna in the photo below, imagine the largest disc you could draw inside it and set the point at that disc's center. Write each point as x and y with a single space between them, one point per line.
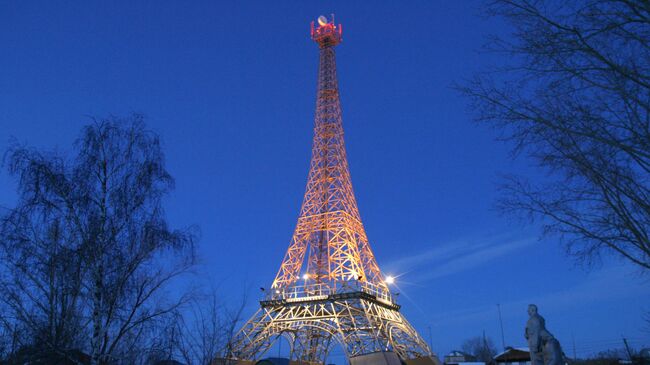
326 33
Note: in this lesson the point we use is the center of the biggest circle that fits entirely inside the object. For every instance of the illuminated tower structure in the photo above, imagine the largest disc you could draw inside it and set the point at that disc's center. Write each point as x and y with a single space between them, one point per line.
329 286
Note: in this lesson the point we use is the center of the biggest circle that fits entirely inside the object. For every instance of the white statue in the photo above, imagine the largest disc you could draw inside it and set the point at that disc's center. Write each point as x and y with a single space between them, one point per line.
544 348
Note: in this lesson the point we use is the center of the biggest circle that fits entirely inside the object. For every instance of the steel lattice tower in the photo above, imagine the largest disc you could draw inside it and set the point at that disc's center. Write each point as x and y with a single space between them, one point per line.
340 295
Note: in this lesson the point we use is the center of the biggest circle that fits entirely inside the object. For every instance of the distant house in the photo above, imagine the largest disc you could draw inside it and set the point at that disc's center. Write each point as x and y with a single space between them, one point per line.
457 357
513 356
460 358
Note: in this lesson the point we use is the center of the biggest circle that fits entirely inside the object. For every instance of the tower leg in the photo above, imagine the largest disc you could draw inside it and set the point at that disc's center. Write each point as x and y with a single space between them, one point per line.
255 337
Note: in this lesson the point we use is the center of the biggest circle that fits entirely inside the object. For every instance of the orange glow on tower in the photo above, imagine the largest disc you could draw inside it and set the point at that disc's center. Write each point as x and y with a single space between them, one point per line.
329 286
329 227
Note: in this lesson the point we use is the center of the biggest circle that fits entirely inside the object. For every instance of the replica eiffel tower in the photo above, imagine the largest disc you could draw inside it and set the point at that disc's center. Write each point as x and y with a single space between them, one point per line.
341 294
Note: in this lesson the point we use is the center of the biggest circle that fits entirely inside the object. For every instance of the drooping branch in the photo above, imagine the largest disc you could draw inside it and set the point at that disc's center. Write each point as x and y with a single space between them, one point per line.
576 99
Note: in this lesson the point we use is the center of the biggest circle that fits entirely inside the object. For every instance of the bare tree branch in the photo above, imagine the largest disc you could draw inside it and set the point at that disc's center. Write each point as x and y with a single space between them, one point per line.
576 99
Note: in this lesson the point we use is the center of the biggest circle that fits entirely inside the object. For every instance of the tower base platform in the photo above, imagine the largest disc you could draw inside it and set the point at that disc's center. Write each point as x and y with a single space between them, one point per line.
423 361
220 361
391 358
376 358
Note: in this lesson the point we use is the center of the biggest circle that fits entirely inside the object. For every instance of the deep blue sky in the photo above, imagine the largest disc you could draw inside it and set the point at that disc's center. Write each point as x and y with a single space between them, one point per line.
230 87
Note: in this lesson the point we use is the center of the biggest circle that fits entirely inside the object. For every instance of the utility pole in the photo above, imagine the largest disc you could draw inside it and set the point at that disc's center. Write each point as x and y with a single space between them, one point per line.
573 339
503 339
485 347
627 347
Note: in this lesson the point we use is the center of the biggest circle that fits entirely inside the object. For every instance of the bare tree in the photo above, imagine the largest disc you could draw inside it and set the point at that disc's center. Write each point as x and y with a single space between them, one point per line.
205 330
480 347
42 291
5 343
10 336
93 228
576 99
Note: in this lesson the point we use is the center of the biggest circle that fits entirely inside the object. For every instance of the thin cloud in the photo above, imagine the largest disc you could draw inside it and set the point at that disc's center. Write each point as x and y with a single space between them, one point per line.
434 254
458 256
475 258
616 282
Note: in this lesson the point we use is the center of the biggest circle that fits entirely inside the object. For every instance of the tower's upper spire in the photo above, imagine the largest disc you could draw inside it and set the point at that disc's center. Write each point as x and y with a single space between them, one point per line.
326 33
329 236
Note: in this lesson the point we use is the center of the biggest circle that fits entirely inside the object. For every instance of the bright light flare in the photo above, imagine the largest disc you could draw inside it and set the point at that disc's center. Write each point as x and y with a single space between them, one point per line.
305 277
389 280
322 20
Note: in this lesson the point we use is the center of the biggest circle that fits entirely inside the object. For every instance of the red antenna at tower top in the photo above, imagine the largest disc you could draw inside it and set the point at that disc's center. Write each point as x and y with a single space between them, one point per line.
326 33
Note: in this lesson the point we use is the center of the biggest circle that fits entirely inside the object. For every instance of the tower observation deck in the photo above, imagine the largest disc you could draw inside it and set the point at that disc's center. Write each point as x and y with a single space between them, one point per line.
329 286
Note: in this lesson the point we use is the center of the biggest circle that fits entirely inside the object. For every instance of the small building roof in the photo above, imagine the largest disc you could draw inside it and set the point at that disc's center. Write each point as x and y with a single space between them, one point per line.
518 354
458 353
